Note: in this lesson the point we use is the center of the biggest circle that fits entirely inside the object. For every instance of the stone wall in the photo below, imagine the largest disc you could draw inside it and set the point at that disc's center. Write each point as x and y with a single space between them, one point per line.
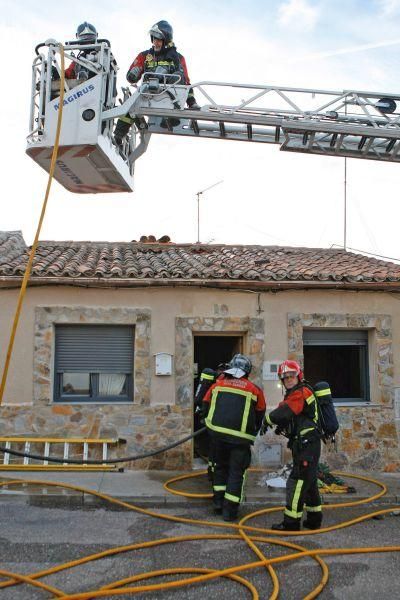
46 317
367 437
144 428
251 328
139 422
142 423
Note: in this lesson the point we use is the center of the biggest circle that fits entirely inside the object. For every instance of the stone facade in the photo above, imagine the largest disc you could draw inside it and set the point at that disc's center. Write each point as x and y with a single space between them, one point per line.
367 437
252 330
138 422
46 317
144 425
162 409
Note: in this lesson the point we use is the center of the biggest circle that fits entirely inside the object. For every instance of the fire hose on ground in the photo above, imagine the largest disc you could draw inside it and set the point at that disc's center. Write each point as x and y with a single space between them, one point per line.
252 536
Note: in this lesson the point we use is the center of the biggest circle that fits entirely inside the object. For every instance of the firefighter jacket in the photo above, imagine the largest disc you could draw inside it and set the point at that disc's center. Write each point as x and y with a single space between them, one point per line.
297 414
207 378
168 57
74 68
236 408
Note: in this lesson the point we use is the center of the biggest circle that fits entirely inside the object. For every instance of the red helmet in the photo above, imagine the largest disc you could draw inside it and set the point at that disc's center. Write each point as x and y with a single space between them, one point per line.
290 366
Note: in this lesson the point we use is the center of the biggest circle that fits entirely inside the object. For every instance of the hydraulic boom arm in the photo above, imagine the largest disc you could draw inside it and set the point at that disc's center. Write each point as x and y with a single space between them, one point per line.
348 123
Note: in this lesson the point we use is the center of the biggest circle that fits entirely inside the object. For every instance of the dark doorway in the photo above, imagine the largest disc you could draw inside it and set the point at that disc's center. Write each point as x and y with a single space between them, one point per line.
210 351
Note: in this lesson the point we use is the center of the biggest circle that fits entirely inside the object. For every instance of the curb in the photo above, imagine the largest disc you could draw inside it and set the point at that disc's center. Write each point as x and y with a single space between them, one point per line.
80 500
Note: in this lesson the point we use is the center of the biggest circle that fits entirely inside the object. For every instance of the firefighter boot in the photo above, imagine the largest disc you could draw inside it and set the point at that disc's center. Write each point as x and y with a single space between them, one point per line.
218 503
140 123
313 520
169 123
120 131
288 524
230 510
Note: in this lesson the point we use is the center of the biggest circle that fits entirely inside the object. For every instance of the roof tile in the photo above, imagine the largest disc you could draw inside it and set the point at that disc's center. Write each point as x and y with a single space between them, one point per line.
158 260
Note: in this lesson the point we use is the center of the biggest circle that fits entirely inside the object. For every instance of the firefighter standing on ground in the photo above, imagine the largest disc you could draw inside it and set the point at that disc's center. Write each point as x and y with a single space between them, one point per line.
234 408
163 58
207 378
297 417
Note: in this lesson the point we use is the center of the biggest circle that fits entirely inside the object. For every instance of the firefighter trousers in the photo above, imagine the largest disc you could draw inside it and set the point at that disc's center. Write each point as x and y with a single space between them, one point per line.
231 462
302 486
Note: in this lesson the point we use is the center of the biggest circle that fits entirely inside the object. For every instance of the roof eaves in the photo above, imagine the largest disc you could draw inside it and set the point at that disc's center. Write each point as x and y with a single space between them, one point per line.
282 284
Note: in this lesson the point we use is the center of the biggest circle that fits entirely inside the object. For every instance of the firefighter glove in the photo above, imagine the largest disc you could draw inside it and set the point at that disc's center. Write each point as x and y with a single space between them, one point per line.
133 75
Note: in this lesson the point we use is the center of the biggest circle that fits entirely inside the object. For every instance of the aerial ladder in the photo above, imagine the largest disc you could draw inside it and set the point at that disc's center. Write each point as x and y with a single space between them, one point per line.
349 123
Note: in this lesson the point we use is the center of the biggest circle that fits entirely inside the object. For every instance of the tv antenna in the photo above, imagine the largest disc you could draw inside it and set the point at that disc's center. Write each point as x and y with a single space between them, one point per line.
198 206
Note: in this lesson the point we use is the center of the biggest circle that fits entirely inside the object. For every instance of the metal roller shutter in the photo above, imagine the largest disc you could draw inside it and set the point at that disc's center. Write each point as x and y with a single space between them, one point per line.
94 348
332 337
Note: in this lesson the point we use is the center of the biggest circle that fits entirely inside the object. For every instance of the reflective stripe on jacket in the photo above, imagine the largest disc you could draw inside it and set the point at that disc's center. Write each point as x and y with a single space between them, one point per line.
236 409
169 58
148 61
207 378
297 413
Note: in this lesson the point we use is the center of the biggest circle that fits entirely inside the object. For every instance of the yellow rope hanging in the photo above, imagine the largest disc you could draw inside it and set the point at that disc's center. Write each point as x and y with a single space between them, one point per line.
39 227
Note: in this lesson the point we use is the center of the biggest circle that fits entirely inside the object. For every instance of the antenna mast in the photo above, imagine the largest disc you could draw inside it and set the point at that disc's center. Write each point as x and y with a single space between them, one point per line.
198 194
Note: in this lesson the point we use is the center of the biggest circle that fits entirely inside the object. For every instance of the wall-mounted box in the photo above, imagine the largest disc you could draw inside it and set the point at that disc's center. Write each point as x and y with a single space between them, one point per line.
163 363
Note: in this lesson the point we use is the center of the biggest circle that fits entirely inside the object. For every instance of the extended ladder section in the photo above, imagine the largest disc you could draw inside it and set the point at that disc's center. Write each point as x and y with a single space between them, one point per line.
63 448
349 123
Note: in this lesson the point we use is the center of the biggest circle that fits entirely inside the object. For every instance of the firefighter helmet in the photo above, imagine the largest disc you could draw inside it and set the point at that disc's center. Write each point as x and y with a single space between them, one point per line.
162 30
86 32
239 366
290 366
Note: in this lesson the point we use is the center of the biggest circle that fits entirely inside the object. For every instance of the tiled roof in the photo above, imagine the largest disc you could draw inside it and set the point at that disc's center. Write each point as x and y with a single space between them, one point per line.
12 247
182 262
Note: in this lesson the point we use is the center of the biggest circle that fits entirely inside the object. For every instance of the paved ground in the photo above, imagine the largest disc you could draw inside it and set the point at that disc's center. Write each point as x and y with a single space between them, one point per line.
37 537
42 526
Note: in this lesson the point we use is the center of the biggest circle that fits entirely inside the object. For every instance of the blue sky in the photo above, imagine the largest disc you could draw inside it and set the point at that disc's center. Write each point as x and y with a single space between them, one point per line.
305 43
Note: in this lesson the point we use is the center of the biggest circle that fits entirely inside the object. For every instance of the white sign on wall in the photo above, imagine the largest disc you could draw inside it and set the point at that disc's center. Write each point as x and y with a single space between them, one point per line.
270 370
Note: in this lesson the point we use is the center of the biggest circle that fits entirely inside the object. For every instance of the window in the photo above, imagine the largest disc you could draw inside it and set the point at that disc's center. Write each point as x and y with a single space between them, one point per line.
341 358
93 363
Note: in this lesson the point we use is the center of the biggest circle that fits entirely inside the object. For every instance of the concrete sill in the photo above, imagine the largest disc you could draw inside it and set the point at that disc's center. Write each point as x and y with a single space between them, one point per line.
358 404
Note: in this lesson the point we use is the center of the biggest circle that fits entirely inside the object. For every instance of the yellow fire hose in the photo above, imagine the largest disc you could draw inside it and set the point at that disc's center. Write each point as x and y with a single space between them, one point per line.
122 587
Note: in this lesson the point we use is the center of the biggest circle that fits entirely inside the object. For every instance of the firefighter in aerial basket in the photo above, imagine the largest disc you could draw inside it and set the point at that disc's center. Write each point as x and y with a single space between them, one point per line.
86 33
296 417
234 409
164 59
